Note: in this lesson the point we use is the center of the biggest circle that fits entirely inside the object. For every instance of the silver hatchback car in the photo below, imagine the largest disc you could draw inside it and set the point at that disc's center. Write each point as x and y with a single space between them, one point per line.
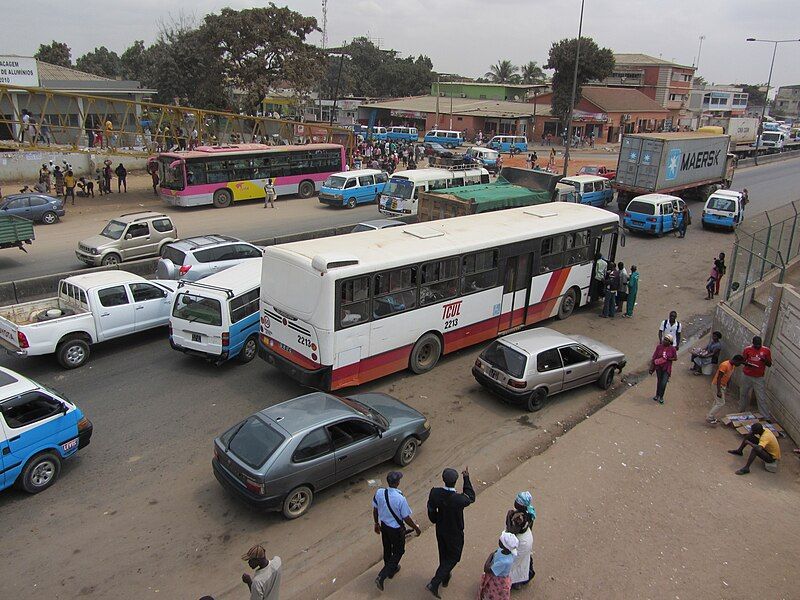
528 366
278 458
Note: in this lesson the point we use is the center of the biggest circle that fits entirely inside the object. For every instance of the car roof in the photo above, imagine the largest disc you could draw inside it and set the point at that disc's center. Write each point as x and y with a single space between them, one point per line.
28 195
584 178
236 279
98 278
139 216
358 173
730 193
204 241
308 412
533 341
651 198
13 384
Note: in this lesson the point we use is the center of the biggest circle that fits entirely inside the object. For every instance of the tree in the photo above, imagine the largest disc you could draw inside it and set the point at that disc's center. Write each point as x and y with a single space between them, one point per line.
503 72
756 96
260 46
135 62
55 53
531 73
595 64
101 61
699 81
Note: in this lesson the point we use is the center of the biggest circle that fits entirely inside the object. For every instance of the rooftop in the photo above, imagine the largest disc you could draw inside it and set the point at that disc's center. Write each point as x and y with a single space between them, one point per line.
519 86
645 60
620 99
461 106
68 79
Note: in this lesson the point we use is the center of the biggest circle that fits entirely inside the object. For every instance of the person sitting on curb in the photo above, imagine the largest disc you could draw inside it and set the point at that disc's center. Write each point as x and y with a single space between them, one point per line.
764 445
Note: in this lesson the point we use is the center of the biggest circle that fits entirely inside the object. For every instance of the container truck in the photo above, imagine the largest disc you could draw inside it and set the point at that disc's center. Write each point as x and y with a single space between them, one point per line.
688 165
742 131
15 231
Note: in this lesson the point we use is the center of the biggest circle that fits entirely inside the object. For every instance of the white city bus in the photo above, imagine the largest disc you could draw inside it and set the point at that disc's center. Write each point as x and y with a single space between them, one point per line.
343 310
400 196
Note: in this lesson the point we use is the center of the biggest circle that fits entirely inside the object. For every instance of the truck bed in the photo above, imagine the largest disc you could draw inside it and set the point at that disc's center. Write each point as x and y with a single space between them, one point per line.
26 313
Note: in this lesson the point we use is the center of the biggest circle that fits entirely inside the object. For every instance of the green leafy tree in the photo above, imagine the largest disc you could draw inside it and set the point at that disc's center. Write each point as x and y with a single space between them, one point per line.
135 62
101 61
756 96
503 72
698 81
595 63
55 53
531 73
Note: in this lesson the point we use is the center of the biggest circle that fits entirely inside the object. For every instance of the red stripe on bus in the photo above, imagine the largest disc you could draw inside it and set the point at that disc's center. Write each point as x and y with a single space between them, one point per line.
291 355
371 368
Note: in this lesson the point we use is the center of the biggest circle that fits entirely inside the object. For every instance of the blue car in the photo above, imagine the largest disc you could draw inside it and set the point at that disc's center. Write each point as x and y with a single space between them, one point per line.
39 429
36 207
654 213
350 188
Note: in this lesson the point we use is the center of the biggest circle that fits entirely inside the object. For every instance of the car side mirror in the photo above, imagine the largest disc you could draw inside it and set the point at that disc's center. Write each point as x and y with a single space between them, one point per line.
128 236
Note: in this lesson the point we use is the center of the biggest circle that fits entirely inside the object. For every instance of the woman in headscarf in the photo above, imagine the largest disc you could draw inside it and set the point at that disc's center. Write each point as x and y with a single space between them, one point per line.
519 521
495 582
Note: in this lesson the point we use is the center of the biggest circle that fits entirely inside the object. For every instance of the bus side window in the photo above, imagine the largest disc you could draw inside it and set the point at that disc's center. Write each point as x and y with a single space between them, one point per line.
354 301
479 271
552 255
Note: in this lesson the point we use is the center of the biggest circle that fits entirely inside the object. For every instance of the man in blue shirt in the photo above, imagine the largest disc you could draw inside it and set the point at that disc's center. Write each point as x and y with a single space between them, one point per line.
390 511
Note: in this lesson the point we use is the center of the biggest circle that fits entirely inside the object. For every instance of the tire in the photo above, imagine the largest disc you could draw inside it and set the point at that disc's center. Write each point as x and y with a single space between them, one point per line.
607 378
568 303
49 217
426 354
73 353
161 250
222 198
62 312
297 502
377 199
703 224
40 473
407 452
110 259
536 400
351 203
306 189
249 350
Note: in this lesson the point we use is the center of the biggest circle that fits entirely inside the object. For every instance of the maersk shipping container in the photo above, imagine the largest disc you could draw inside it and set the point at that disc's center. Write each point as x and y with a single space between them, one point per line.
662 162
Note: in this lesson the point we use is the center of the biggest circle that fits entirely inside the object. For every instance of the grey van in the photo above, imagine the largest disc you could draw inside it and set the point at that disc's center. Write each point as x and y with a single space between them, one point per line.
278 458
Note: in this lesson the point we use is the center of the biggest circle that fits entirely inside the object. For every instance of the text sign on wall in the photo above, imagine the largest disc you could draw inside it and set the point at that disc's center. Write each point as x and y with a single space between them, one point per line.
19 70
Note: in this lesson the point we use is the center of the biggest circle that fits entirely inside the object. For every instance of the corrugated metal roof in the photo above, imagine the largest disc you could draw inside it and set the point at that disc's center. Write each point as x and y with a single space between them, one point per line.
644 59
51 72
620 99
462 106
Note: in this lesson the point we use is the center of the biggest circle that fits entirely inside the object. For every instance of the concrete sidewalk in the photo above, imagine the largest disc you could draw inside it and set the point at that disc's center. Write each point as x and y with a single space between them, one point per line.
638 501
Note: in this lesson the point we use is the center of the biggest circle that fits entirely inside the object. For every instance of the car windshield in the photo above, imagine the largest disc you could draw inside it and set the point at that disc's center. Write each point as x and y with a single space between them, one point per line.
506 359
723 204
771 136
336 183
252 441
643 208
367 411
589 170
399 188
197 309
113 230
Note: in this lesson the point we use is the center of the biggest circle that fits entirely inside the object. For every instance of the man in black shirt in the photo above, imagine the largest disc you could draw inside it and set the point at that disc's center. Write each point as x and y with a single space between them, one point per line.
446 510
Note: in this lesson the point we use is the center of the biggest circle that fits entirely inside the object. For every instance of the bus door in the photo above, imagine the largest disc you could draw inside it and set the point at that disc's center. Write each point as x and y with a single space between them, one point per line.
515 292
605 245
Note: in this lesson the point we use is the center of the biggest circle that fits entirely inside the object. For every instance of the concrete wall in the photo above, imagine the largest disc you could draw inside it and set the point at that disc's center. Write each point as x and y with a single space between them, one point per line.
24 165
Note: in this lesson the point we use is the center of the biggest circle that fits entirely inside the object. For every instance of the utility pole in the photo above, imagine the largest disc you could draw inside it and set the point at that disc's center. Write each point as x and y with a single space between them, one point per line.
568 137
438 81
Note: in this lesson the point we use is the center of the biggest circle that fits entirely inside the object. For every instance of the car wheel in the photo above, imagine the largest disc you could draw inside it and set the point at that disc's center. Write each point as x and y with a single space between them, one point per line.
607 378
49 217
377 199
222 198
297 502
111 259
40 473
567 305
351 203
161 250
406 452
249 350
306 189
703 223
425 354
72 353
536 400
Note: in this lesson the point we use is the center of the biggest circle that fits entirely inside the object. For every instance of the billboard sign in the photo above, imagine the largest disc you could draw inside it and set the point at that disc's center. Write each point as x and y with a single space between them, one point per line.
19 70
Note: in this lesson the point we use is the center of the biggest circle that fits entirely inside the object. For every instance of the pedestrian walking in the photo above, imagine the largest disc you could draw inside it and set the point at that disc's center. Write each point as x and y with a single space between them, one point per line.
391 514
711 283
610 289
122 178
622 294
58 177
446 510
721 269
495 582
683 221
265 582
69 185
672 327
44 178
633 290
519 521
98 177
745 197
757 358
661 364
269 193
719 385
107 173
156 180
763 444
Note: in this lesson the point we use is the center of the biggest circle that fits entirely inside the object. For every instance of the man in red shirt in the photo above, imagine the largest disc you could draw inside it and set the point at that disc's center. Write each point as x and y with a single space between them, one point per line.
756 360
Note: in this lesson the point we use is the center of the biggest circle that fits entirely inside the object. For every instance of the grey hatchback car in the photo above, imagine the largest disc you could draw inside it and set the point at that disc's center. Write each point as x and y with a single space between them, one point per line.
278 458
528 366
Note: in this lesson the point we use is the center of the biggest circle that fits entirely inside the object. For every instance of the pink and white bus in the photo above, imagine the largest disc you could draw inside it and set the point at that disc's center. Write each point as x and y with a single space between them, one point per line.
343 310
220 175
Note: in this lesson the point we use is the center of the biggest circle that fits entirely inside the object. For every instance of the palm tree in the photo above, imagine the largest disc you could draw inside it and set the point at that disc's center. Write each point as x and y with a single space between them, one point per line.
532 73
503 72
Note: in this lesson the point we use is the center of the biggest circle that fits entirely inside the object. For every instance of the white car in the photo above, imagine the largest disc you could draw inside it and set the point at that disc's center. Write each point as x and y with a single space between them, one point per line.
193 258
89 308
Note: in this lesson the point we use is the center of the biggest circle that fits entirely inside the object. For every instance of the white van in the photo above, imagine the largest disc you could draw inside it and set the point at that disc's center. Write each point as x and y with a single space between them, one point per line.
445 137
401 195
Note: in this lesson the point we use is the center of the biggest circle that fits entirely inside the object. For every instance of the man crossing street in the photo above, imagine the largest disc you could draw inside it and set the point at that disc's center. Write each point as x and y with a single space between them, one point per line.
391 513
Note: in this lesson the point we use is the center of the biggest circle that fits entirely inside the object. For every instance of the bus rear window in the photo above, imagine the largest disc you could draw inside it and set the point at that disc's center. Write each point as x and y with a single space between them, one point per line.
643 208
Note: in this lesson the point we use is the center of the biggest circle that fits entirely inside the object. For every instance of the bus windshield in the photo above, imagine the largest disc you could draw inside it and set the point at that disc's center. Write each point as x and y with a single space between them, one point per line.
399 188
336 183
171 178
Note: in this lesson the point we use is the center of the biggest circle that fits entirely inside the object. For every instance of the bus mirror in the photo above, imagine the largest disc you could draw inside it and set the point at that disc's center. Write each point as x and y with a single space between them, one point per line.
175 164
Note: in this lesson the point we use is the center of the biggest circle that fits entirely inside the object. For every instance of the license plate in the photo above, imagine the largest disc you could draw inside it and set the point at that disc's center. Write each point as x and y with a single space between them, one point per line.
196 337
69 445
493 373
284 347
394 204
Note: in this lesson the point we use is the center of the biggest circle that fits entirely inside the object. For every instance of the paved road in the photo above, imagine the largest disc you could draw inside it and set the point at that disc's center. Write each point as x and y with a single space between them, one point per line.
53 251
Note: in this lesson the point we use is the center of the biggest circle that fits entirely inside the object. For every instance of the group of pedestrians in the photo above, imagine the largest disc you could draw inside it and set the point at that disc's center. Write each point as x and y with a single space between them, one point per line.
718 269
63 181
387 155
509 566
617 286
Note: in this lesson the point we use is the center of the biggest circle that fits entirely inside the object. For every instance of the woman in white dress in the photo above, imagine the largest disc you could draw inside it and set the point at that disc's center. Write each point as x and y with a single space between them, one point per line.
519 521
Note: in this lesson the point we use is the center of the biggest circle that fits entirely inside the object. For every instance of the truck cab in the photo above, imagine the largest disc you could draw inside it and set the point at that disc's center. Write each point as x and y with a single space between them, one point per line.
723 209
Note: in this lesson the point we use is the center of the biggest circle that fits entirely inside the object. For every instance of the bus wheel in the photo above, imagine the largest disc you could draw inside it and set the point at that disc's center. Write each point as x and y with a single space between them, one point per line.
351 203
567 305
425 354
306 189
222 198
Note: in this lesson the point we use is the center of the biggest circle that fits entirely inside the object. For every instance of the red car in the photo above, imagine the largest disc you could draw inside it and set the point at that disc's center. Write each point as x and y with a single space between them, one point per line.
597 170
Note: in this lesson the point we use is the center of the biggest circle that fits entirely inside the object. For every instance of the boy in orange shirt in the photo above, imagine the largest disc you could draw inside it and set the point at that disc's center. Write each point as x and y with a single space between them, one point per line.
719 384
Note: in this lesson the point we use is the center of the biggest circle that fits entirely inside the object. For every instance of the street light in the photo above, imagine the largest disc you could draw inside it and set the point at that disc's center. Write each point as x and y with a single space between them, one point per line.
766 96
568 137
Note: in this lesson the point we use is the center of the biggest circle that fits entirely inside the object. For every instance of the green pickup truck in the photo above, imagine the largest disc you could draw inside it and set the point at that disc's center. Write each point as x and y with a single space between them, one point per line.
15 231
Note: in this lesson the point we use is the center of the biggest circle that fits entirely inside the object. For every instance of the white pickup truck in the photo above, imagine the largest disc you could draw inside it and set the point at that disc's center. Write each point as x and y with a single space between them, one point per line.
89 308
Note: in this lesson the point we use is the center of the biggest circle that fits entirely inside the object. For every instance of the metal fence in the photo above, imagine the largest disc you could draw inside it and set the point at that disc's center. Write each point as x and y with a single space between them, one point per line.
764 242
